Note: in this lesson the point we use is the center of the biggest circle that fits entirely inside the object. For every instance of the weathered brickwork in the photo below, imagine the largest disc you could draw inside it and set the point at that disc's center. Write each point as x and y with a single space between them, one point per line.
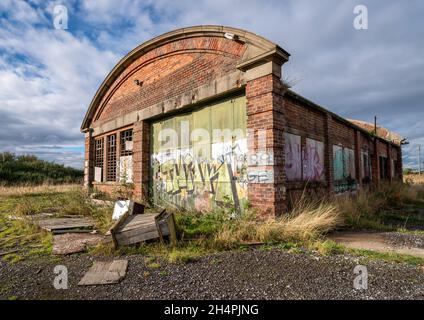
189 60
265 113
168 71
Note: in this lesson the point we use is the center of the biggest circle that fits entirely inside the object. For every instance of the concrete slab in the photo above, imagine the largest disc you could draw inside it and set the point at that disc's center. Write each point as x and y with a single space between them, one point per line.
374 241
102 273
69 243
64 225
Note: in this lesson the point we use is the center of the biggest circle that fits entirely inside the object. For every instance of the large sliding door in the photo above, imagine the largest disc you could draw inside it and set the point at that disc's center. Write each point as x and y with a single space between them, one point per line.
199 159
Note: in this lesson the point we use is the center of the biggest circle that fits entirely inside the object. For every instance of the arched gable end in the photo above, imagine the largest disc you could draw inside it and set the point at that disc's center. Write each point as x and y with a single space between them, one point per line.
182 56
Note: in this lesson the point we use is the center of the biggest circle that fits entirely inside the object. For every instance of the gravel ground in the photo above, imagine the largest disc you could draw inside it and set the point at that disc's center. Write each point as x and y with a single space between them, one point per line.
253 274
404 239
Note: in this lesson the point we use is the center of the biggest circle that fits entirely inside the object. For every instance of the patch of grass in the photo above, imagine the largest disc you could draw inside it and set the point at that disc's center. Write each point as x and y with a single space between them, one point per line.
388 256
13 257
282 246
192 225
328 247
185 254
16 210
164 273
153 265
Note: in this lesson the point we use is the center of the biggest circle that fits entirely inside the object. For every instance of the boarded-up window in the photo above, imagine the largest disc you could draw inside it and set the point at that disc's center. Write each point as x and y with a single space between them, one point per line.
293 156
111 158
313 160
384 168
366 167
344 169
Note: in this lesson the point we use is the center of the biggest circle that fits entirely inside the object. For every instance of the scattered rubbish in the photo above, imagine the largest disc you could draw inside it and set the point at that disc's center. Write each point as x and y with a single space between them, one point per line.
102 273
126 206
8 252
11 217
69 243
66 225
136 228
103 203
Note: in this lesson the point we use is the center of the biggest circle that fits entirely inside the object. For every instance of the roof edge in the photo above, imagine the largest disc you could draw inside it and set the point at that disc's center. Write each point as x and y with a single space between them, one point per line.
182 33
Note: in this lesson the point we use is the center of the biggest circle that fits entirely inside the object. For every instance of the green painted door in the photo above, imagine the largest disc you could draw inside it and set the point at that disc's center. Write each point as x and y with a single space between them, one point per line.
199 159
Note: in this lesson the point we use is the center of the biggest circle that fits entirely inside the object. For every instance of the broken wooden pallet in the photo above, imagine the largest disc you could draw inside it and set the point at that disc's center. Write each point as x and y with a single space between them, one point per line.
66 225
105 273
132 229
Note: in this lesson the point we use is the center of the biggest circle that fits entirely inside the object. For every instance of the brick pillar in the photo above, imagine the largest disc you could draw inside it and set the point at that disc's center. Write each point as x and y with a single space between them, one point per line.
265 126
375 165
328 155
389 162
141 160
358 158
399 162
89 159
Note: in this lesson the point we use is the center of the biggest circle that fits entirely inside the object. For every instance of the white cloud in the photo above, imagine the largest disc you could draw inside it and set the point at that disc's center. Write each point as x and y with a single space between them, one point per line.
49 76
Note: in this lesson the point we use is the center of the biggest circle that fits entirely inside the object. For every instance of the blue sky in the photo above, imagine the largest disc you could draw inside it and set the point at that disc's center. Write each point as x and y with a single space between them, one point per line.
48 76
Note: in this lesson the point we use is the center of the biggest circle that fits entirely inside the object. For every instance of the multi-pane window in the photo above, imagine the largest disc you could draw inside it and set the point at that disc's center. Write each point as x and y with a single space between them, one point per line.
126 143
99 151
111 158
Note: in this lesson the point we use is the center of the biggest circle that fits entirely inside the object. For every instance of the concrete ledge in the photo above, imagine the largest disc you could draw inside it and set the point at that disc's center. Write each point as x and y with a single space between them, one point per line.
217 87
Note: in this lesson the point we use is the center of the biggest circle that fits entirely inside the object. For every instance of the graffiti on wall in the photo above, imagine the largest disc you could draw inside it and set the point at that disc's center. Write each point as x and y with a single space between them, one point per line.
306 163
191 182
293 157
313 160
201 168
344 169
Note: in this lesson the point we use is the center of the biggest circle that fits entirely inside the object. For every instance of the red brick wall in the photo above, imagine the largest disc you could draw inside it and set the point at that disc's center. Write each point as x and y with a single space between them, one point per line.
169 71
184 65
265 112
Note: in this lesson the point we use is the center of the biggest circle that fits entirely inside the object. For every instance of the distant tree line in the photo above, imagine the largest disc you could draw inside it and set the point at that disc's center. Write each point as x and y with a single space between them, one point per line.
28 169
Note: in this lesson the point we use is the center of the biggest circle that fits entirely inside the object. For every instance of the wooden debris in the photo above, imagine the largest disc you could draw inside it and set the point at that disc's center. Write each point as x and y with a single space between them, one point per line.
126 206
8 252
73 243
132 229
66 225
102 273
165 224
102 203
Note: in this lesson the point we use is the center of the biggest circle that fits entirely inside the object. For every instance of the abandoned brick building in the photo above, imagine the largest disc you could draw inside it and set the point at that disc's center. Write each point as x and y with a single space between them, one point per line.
208 79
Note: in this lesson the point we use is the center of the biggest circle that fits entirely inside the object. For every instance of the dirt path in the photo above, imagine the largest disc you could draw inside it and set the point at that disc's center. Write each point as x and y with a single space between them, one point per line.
382 242
253 274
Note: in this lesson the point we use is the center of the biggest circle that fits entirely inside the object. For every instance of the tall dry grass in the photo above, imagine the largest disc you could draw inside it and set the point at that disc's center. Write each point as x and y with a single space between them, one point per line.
414 179
307 221
367 207
31 189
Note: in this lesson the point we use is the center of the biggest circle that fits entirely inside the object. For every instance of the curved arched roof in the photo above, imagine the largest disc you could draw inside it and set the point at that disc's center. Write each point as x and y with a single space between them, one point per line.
262 45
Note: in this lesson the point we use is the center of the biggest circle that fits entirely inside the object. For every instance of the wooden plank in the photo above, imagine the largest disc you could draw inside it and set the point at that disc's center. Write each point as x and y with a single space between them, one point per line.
8 252
102 273
137 221
122 240
135 232
52 224
72 243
